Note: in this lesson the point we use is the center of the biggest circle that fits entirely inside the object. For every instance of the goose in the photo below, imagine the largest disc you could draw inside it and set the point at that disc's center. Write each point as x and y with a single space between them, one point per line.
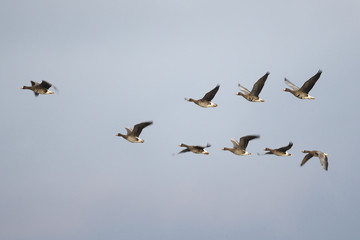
240 147
39 88
133 135
205 102
253 96
303 92
322 156
279 151
194 149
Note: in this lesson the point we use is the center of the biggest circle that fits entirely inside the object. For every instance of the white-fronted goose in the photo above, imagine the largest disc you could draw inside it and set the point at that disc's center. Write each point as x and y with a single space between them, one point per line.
303 92
195 149
279 151
39 88
205 102
253 96
322 156
240 147
133 135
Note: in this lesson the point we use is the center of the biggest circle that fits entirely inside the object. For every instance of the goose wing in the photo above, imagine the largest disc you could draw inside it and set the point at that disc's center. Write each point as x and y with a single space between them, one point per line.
290 84
235 143
244 89
139 127
284 149
309 84
184 150
45 84
244 141
258 86
323 160
210 95
306 158
202 147
128 131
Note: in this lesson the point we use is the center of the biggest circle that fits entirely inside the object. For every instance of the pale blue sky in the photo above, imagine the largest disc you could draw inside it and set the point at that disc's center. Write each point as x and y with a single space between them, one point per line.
64 174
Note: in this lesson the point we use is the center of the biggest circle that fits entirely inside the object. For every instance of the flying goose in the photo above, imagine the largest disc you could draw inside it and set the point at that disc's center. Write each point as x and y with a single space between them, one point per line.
240 147
205 102
303 92
39 88
194 149
322 156
253 96
279 151
133 135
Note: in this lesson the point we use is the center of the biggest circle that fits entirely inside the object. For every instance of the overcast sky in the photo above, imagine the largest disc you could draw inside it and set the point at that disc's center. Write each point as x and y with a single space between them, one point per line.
65 175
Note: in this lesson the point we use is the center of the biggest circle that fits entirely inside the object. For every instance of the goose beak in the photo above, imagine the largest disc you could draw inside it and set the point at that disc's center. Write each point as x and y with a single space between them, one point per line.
262 100
206 153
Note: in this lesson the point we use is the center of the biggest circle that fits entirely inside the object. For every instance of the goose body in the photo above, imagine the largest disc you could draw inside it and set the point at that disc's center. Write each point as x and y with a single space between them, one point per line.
321 155
253 96
39 88
205 102
279 151
133 135
195 149
303 92
239 148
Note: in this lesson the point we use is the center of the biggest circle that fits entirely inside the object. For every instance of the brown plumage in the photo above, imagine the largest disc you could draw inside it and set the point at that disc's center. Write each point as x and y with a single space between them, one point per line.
279 151
322 156
239 148
195 149
39 88
133 135
303 92
253 96
205 102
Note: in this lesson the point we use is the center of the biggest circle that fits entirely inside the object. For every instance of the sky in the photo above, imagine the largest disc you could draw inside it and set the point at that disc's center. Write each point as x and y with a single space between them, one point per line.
65 175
